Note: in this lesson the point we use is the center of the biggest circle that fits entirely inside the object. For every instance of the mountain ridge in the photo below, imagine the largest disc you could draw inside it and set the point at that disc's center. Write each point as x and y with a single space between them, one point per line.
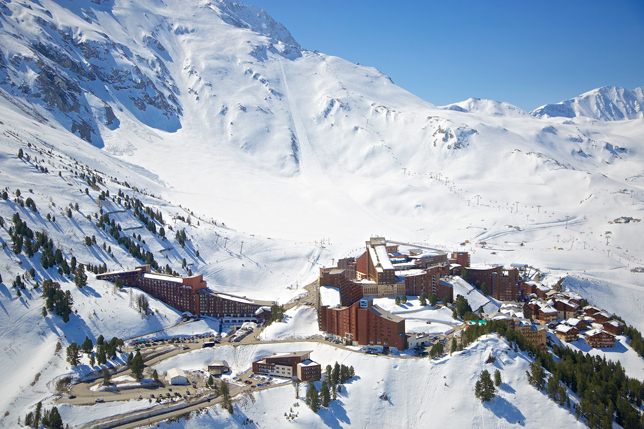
607 103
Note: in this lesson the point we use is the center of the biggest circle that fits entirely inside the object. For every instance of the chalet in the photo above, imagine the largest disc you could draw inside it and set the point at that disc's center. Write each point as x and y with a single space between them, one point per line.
602 316
565 308
580 324
547 315
589 310
540 311
566 333
597 338
615 327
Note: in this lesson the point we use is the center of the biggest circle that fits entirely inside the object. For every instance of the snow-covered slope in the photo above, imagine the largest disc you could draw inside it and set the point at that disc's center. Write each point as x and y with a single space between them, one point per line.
419 392
284 160
608 103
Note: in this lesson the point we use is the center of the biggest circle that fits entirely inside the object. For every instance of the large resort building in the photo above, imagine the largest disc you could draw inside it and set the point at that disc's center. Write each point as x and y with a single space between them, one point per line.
384 269
191 294
389 269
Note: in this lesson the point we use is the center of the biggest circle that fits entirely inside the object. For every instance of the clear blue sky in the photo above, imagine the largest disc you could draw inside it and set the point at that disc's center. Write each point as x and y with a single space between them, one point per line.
527 53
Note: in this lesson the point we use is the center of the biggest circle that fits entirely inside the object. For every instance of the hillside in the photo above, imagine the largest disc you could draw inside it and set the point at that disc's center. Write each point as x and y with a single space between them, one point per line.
209 118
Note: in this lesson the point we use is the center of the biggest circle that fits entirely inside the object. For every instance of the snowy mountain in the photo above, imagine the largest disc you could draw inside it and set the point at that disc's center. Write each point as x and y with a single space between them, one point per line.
608 103
486 107
276 161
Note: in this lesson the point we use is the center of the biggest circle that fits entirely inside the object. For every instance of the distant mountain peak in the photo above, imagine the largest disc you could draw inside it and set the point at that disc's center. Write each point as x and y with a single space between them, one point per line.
255 19
488 107
608 103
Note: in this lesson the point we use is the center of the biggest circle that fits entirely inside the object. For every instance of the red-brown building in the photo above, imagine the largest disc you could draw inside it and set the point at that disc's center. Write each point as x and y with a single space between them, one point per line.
289 365
597 338
427 282
190 294
502 284
602 316
364 324
615 327
460 258
540 311
565 308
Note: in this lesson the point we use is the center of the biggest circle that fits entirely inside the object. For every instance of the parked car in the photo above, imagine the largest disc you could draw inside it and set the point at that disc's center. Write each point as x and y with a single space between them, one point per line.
249 382
99 400
72 396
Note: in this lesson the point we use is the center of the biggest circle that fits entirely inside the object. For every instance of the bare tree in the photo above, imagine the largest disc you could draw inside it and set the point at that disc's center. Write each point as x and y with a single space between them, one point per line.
142 303
106 376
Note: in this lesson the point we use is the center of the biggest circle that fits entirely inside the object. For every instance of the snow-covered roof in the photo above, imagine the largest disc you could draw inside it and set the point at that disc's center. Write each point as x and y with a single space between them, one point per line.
385 314
163 277
564 329
573 321
547 309
594 332
219 363
176 372
308 362
407 273
330 296
261 310
383 257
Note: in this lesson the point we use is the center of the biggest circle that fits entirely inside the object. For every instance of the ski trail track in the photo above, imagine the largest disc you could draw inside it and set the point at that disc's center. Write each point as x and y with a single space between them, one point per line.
311 168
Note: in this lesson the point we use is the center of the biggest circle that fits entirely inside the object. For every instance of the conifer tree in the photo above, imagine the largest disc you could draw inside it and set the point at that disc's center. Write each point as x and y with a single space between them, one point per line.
87 345
313 398
433 300
497 378
38 414
54 419
536 376
423 300
484 388
73 356
81 277
335 377
325 395
137 366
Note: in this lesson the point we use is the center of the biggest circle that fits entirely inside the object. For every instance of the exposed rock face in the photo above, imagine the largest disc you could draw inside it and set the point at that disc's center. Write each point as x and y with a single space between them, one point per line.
70 69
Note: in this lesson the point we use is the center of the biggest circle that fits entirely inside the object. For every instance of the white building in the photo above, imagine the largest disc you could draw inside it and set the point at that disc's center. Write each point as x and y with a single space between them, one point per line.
176 376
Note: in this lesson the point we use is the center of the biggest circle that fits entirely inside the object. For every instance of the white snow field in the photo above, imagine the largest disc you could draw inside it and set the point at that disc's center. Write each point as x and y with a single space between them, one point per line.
299 323
277 161
421 393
